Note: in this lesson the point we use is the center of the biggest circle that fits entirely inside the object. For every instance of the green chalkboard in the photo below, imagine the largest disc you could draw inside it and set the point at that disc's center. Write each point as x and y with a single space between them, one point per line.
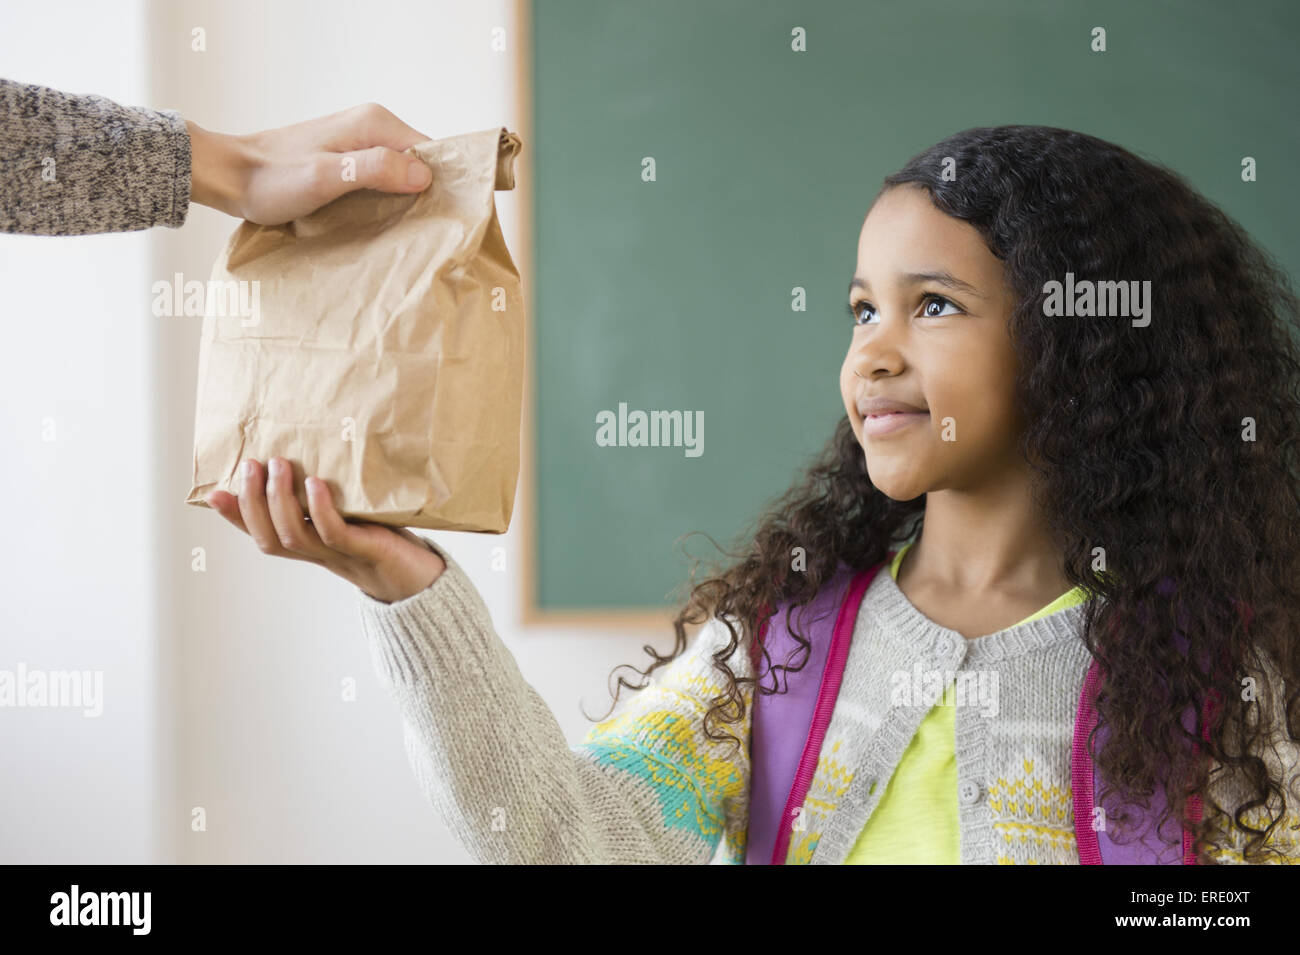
676 294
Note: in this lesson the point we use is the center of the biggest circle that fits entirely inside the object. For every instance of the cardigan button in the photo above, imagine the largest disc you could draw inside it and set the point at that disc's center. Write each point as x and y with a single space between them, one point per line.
942 646
969 793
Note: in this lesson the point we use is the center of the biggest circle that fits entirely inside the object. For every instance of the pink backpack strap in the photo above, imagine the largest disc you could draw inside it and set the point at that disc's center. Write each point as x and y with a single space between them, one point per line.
788 728
1083 776
830 687
1081 770
1211 706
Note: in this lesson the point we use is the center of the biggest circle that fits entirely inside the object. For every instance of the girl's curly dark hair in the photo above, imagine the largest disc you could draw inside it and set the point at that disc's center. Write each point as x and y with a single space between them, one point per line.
1170 483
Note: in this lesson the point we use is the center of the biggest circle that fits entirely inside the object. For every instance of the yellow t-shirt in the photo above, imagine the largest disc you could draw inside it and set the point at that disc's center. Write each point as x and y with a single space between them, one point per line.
916 821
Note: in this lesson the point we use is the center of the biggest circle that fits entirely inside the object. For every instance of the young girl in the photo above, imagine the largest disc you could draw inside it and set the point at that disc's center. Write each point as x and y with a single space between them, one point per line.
1072 402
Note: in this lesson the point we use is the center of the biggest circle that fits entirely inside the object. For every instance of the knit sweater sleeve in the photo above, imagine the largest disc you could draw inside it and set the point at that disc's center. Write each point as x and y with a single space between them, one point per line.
79 164
644 786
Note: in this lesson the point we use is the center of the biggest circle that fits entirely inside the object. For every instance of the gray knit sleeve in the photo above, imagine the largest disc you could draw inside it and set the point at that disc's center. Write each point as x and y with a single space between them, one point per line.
78 164
645 786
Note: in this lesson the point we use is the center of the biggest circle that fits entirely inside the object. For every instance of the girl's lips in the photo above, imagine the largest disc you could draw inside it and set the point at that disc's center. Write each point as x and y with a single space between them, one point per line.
880 424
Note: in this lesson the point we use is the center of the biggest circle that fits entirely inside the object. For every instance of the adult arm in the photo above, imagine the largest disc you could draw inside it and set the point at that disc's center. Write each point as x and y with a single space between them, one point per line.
79 164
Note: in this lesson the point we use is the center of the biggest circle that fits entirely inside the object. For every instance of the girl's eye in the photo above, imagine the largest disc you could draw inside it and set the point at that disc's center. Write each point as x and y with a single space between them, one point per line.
856 309
931 299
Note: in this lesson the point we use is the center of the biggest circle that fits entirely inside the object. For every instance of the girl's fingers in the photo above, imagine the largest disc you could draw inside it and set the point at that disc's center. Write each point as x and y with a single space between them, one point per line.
292 530
227 505
335 532
257 518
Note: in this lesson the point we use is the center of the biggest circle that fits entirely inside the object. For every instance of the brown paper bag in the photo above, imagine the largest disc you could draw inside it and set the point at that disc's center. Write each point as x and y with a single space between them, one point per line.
379 345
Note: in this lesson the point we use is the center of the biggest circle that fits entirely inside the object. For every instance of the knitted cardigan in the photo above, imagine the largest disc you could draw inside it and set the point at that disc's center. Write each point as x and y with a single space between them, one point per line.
647 786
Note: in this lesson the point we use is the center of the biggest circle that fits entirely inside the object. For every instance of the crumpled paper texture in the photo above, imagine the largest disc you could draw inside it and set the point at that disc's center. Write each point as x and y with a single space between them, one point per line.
380 349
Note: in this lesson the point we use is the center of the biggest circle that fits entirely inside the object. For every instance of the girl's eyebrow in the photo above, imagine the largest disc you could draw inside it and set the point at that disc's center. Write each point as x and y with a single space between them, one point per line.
916 278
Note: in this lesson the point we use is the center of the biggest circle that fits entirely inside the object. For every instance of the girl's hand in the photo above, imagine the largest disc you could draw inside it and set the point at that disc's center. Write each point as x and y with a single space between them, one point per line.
387 563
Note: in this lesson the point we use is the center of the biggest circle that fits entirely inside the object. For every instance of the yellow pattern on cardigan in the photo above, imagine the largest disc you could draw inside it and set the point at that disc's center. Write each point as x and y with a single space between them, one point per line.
657 737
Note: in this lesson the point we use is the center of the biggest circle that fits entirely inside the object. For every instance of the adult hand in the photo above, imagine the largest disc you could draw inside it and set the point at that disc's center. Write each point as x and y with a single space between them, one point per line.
280 174
387 563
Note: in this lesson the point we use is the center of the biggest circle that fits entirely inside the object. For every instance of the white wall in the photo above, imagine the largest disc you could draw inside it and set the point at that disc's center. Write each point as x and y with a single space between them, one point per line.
224 686
77 568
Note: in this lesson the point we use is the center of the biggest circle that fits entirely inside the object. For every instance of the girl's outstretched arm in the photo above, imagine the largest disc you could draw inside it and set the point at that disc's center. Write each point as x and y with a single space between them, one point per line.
645 785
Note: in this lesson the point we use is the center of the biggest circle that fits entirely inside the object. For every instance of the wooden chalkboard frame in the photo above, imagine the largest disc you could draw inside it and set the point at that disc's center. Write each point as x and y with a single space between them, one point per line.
531 614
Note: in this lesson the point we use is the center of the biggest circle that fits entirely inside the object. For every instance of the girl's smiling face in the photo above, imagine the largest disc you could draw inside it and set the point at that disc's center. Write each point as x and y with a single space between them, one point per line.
930 330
